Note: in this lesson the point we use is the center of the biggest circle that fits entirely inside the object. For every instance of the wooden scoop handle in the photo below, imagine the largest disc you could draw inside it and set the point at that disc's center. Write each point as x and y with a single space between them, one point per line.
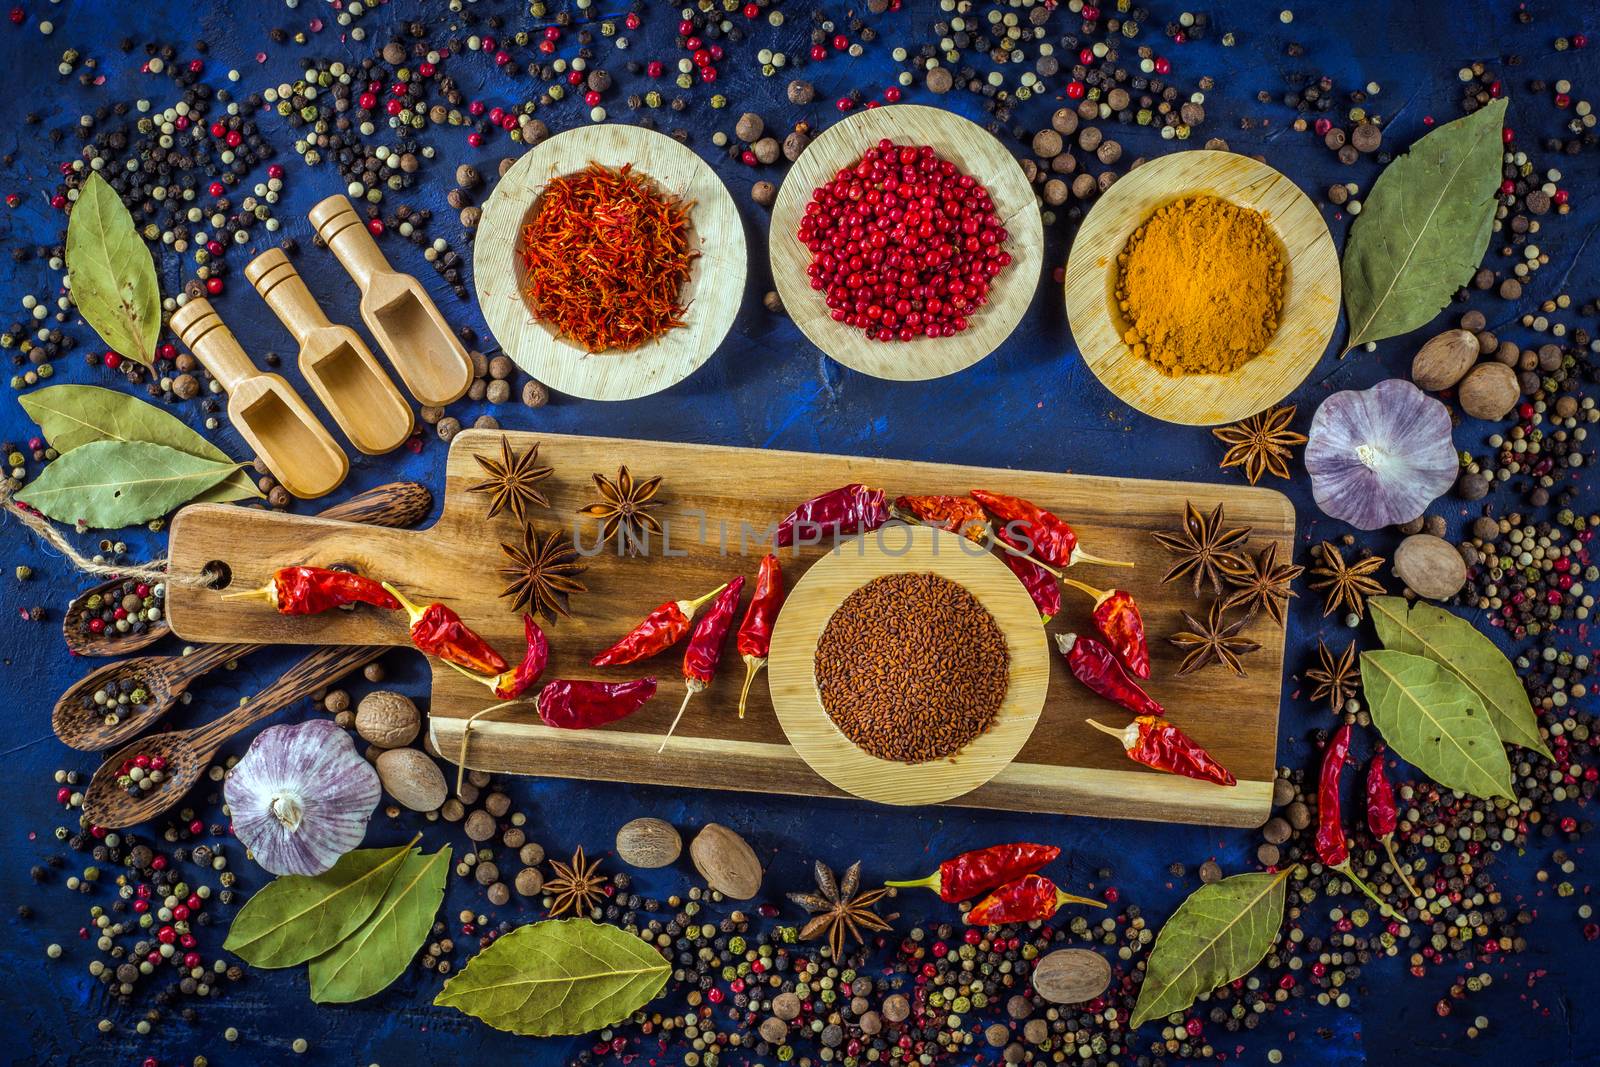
203 332
338 224
322 668
285 292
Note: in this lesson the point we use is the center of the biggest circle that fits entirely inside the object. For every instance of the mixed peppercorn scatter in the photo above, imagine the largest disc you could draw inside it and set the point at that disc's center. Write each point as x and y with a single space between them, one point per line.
206 161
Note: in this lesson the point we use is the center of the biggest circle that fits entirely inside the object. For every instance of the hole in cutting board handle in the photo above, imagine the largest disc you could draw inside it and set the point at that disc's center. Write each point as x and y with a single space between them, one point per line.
217 574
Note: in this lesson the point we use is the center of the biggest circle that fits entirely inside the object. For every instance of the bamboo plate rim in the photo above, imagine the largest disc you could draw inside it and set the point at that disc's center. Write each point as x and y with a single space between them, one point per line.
977 153
711 295
1312 288
791 676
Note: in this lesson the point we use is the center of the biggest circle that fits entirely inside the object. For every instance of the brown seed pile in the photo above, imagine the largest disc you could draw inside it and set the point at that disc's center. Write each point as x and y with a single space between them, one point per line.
912 668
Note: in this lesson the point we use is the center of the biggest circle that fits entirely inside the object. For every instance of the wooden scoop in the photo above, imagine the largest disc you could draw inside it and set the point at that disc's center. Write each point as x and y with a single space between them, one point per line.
398 311
188 752
398 504
266 411
335 361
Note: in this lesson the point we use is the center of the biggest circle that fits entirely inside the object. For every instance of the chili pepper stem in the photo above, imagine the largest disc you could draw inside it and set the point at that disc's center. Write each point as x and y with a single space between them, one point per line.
1400 872
1014 551
1080 556
411 608
475 677
1105 729
933 882
1063 897
1345 869
689 607
1085 587
753 665
689 691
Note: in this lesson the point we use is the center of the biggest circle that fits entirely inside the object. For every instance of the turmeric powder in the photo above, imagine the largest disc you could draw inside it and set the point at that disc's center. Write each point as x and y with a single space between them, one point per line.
1200 286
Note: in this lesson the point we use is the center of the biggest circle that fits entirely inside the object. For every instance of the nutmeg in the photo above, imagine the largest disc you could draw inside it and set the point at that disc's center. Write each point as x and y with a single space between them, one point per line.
1489 391
387 719
1444 360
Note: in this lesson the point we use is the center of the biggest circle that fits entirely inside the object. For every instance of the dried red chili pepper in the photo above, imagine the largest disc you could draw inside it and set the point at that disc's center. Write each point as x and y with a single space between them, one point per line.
313 590
700 659
1035 578
511 684
1333 848
569 704
439 631
755 632
971 873
1054 541
1157 743
1116 615
1383 817
1093 664
849 509
660 630
1028 898
953 514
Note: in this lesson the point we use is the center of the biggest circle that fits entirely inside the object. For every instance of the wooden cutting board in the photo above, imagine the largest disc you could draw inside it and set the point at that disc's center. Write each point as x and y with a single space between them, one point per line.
713 497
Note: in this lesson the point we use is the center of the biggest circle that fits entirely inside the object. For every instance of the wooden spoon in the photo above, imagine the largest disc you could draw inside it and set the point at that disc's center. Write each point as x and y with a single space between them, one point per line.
397 505
189 752
82 724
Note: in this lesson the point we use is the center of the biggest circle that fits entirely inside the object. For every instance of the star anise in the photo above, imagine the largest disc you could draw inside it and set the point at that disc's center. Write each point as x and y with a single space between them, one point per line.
838 908
542 574
577 887
1262 583
1336 677
624 509
1214 641
1261 444
1347 585
513 482
1203 547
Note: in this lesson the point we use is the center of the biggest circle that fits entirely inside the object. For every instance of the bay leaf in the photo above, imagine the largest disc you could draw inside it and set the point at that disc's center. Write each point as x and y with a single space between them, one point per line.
1217 935
74 415
110 484
382 947
296 917
1435 723
1423 228
560 976
112 276
1469 654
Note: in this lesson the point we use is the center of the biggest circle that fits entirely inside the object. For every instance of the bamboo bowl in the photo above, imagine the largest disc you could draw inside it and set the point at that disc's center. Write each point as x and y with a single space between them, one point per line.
972 149
711 295
1311 288
791 672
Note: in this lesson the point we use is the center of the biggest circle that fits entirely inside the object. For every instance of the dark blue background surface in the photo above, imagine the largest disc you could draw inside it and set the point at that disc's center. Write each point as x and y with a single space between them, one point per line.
1032 404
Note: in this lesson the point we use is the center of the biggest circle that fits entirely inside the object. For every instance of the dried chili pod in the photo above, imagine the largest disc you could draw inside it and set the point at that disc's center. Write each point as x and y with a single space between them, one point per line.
1116 615
755 632
660 630
853 508
1030 897
1383 816
578 704
1333 848
953 514
1039 581
1093 664
1052 539
704 653
313 590
1158 744
511 684
970 873
439 631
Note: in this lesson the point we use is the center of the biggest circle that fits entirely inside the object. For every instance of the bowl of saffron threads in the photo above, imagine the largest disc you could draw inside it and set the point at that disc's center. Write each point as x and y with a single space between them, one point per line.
609 262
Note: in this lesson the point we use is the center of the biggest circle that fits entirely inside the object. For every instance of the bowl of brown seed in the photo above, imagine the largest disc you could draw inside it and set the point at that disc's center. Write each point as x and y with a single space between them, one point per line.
908 666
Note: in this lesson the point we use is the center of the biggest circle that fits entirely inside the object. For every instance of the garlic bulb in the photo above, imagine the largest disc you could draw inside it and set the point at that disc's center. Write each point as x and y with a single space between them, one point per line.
1381 456
301 797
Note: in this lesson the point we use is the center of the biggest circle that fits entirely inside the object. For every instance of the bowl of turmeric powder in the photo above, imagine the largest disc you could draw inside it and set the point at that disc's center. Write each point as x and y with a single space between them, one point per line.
1203 287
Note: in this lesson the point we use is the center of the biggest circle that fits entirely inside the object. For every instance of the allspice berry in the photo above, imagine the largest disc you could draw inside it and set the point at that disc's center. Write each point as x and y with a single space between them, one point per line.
767 150
467 176
750 127
1064 121
534 394
794 144
1047 144
764 193
479 826
529 881
801 92
940 80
